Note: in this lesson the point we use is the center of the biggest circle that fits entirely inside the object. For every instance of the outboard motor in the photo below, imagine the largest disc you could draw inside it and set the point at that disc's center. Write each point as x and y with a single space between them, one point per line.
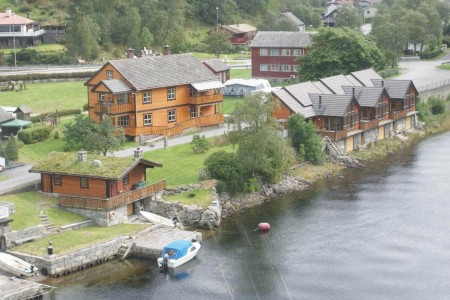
165 263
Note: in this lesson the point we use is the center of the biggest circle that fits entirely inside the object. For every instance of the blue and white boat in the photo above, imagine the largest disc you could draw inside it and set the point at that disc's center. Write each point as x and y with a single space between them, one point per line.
177 253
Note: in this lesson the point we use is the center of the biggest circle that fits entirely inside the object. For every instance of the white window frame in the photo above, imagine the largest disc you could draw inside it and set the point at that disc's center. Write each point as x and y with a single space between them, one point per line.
264 67
123 121
171 93
109 74
274 52
275 67
123 98
286 52
263 52
147 97
101 97
148 119
172 115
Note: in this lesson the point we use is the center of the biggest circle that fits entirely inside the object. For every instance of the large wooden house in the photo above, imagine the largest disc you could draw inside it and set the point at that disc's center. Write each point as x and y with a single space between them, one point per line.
158 95
105 188
275 53
381 108
240 34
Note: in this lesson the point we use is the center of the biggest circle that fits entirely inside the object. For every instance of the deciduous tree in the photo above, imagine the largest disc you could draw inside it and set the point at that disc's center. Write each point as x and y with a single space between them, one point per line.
218 42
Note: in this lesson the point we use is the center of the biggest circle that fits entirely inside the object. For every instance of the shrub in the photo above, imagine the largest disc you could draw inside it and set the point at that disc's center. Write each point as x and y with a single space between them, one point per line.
437 106
431 54
34 135
58 113
388 72
200 144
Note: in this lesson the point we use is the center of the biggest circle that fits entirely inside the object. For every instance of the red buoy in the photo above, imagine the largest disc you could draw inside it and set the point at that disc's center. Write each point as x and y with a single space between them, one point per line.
264 226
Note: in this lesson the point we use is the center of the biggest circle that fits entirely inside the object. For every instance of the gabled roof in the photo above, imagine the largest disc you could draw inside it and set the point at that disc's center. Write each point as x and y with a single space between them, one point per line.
292 18
65 163
240 28
5 116
24 109
294 105
16 123
217 65
115 86
366 76
6 19
281 39
366 96
397 89
335 83
331 105
161 71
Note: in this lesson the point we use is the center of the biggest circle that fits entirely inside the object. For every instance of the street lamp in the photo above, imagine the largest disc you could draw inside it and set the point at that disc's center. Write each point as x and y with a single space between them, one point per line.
217 18
14 41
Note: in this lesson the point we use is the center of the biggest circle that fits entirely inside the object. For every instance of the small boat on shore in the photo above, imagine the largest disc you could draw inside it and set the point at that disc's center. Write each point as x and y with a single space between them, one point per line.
156 219
177 253
16 265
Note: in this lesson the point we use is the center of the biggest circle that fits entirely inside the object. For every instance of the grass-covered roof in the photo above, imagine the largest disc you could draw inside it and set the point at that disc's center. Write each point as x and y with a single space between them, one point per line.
110 167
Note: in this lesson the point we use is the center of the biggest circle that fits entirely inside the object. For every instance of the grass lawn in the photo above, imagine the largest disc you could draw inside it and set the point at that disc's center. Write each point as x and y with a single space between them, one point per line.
40 48
180 164
48 97
229 103
241 73
444 67
34 152
30 204
3 177
200 198
80 238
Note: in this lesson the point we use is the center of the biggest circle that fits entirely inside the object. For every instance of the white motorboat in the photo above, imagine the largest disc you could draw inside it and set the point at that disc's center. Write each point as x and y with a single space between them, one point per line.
157 219
16 265
177 253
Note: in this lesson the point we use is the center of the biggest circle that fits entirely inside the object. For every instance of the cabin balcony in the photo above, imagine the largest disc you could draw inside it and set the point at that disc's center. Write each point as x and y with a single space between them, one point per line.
239 40
333 135
367 124
111 108
398 115
113 202
205 99
177 129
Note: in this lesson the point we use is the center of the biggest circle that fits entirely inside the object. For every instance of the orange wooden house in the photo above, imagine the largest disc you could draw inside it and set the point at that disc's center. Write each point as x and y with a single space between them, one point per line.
158 95
382 108
104 188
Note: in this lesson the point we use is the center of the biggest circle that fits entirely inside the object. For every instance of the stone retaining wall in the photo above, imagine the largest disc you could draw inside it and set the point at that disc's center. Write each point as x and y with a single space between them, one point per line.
18 237
188 215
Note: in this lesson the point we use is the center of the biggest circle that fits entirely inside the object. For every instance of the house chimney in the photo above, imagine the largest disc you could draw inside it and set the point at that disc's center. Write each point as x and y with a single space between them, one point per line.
353 92
8 12
382 83
29 15
138 153
82 156
130 53
320 101
166 50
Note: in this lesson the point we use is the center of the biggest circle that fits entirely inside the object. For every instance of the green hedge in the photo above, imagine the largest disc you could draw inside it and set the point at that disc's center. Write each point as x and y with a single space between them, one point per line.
37 76
388 72
34 135
431 54
59 113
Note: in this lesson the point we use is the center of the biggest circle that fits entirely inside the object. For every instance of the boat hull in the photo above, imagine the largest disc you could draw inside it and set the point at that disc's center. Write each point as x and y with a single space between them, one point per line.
16 265
156 219
173 263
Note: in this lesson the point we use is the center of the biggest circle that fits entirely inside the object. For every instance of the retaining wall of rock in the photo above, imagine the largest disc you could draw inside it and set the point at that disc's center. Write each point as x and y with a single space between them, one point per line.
188 215
18 237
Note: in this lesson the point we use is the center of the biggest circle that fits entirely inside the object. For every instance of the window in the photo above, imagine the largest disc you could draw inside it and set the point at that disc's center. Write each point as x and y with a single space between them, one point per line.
192 91
274 67
263 67
126 179
286 52
84 182
193 112
263 52
57 179
109 74
147 97
275 52
172 115
101 96
122 98
148 120
171 93
298 52
286 68
123 121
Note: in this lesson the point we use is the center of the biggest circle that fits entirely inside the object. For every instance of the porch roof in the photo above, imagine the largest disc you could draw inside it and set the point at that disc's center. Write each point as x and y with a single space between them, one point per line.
208 85
115 86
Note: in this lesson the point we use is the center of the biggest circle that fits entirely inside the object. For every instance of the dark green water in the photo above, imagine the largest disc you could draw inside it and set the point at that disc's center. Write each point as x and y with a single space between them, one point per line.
378 233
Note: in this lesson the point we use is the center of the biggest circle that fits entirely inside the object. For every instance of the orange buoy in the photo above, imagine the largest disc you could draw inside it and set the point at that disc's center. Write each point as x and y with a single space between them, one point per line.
264 226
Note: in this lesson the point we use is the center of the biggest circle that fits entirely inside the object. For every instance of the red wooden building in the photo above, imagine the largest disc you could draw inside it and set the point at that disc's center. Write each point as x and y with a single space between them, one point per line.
275 53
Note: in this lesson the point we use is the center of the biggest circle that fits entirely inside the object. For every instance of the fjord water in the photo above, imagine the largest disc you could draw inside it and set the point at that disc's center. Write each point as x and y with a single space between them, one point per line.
381 232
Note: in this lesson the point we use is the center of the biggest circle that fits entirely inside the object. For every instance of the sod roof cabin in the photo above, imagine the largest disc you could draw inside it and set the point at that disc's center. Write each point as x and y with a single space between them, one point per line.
100 183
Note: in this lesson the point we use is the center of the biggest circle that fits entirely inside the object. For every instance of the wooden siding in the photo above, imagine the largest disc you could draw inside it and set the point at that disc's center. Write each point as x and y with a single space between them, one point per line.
197 100
365 125
70 185
281 111
113 202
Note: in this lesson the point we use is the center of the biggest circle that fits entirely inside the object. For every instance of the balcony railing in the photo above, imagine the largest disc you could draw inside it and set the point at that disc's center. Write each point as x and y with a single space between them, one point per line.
205 99
111 203
178 128
107 108
398 115
333 135
22 34
367 124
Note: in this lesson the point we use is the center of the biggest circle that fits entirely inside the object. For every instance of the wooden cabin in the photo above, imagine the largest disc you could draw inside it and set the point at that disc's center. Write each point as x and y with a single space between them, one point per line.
105 188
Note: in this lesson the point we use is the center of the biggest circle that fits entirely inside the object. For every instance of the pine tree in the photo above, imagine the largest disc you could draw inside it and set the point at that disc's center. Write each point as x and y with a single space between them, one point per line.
11 149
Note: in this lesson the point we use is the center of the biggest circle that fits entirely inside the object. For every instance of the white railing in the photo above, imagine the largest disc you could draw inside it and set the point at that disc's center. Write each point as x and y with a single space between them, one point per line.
434 85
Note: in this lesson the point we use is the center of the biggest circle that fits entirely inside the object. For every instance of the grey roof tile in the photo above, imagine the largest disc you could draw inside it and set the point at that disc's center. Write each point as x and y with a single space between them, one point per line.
366 76
163 71
5 116
396 89
24 108
116 86
293 104
281 39
217 65
330 105
366 96
293 18
335 83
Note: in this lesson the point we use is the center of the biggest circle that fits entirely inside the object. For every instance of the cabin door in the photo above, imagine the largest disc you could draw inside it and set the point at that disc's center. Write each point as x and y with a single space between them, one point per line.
408 123
349 147
113 185
381 133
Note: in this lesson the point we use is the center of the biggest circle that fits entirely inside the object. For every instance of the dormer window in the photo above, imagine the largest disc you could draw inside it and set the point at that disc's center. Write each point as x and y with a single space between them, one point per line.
101 97
109 74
